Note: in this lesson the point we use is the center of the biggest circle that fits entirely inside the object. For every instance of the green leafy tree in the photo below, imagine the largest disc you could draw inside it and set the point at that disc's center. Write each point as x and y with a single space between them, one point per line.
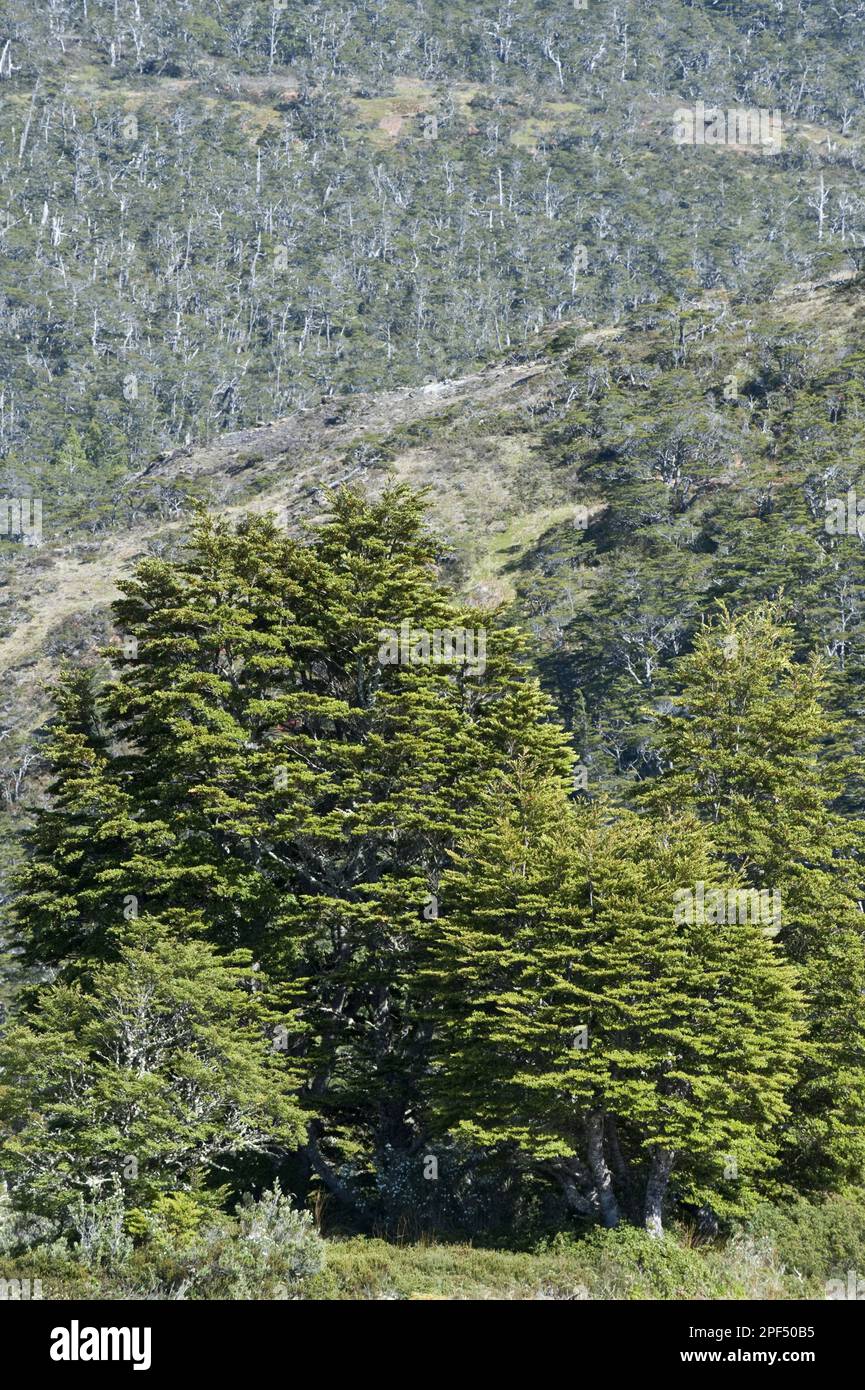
91 856
163 1067
585 1024
80 481
268 768
748 749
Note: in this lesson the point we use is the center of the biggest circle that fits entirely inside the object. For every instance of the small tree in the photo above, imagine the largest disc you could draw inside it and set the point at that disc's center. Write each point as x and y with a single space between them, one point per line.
162 1068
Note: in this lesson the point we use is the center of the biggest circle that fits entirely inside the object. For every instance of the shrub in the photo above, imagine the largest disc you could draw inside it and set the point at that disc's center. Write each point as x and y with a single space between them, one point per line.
21 1230
175 1218
282 1240
102 1240
817 1241
266 1253
628 1263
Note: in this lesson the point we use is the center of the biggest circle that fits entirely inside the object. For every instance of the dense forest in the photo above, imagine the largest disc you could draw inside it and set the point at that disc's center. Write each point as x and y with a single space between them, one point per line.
430 740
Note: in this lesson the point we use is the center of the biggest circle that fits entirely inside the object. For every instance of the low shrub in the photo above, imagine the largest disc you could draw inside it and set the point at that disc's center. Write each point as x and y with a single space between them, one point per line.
187 1250
817 1241
103 1242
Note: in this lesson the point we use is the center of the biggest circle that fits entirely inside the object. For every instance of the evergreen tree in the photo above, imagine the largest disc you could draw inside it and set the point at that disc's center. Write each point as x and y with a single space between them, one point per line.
160 1069
90 856
272 770
585 1023
747 748
80 481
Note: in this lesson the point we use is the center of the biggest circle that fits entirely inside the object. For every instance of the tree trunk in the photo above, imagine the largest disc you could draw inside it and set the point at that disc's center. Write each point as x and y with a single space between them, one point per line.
573 1181
656 1188
601 1175
707 1222
621 1168
320 1166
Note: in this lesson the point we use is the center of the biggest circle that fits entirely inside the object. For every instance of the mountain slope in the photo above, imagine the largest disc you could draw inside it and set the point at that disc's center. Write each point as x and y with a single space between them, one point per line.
210 219
628 421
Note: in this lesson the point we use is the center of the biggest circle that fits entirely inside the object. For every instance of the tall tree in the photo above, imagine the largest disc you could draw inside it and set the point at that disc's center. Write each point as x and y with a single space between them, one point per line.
584 1021
92 857
748 749
297 735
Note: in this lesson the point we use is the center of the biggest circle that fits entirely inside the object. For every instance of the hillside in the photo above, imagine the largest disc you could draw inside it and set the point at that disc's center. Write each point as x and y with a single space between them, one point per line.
456 244
212 220
628 420
521 958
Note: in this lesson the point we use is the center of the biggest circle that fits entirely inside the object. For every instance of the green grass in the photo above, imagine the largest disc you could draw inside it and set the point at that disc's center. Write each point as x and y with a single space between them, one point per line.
502 548
784 1252
624 1264
787 1251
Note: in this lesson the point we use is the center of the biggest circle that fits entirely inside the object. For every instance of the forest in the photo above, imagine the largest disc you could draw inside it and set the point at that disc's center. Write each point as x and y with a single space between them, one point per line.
432 626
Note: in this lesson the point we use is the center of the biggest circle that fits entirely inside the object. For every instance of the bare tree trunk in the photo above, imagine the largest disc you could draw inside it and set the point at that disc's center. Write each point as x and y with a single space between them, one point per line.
656 1189
601 1175
707 1222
